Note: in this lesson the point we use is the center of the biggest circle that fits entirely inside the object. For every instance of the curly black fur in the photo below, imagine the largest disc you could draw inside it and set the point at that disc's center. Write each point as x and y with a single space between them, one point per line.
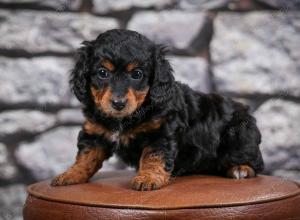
201 133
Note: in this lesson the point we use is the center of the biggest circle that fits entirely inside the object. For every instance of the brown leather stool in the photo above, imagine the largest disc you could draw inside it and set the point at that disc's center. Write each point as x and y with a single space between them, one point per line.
108 197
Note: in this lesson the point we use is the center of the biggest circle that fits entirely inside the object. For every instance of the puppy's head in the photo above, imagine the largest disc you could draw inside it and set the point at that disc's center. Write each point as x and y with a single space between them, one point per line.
119 71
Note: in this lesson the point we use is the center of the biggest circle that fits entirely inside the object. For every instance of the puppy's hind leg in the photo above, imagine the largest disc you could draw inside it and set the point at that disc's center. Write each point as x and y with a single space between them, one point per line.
239 154
241 172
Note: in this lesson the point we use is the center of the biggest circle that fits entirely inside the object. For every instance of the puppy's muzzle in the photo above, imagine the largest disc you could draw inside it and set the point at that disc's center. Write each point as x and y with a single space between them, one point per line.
118 104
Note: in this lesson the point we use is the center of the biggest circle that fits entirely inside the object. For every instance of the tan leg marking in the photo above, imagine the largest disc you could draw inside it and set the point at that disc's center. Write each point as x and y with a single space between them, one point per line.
151 174
88 162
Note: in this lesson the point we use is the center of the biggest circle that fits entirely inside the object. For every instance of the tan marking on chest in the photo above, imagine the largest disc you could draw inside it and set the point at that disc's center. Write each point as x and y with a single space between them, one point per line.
125 137
142 128
92 128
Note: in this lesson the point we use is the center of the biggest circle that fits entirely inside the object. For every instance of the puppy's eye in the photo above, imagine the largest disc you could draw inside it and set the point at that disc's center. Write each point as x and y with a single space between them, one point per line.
103 73
137 74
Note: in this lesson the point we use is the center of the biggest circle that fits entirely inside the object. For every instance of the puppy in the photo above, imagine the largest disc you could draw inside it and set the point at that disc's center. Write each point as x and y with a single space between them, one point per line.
135 109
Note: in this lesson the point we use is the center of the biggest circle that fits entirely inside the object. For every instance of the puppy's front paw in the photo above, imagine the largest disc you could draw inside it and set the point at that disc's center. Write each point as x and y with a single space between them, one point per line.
67 178
241 172
147 182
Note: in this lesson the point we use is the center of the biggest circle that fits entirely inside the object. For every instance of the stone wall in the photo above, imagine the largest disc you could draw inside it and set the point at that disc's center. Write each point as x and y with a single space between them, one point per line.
248 50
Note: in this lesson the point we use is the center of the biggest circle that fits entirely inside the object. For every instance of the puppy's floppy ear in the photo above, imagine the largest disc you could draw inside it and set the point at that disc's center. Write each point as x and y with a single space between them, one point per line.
161 89
79 76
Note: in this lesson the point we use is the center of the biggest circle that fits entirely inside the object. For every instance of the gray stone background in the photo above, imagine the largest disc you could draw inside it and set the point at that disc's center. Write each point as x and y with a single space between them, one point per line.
247 49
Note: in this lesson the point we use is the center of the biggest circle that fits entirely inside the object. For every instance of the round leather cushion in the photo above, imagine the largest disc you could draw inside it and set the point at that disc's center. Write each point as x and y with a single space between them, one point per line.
109 196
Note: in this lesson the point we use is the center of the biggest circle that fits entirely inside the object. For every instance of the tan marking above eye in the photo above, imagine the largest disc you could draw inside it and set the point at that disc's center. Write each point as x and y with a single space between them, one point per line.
131 66
108 64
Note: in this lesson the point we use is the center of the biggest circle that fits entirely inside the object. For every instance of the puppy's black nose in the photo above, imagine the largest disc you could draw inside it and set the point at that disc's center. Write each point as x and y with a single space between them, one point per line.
118 104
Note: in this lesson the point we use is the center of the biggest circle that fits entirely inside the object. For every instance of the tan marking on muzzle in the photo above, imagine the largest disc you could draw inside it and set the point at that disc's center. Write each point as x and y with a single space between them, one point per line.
102 98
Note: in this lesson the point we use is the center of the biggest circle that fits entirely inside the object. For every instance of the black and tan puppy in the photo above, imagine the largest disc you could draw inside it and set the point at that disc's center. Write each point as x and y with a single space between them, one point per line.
135 109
